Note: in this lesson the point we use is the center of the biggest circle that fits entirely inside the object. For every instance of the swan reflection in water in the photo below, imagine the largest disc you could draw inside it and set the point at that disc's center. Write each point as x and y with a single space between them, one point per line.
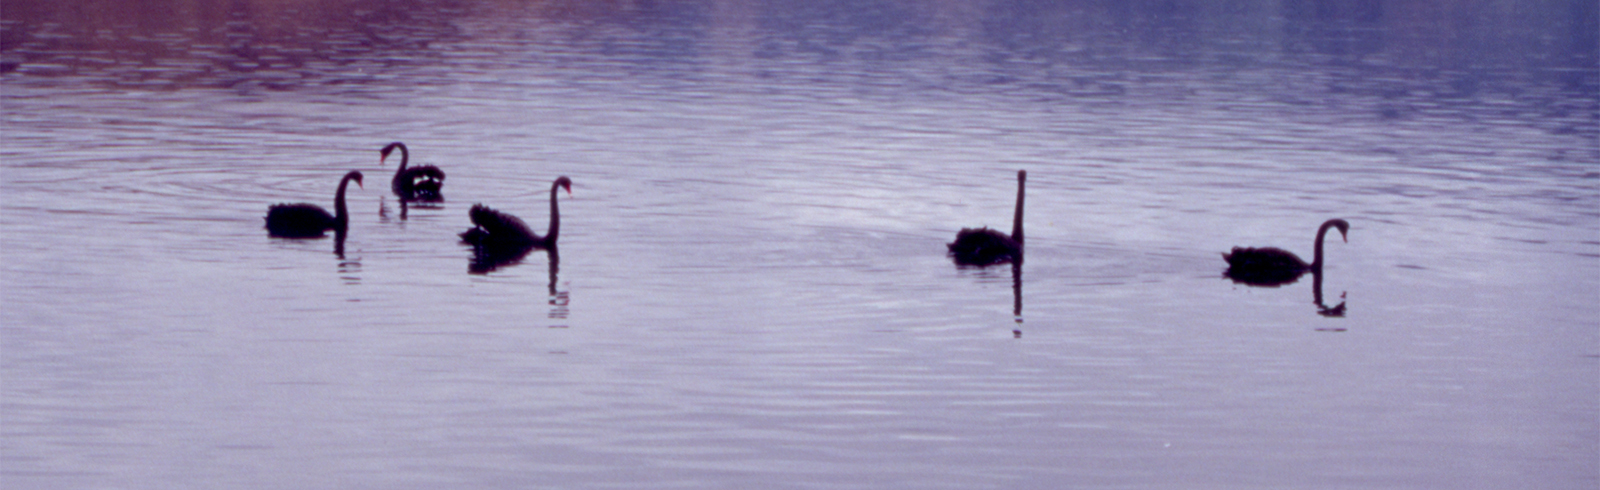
559 300
405 207
485 261
1316 292
488 259
1316 297
338 243
349 270
1016 293
1016 297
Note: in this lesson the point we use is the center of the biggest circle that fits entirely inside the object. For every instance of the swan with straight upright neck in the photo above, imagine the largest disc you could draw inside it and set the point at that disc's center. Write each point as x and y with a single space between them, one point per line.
983 246
1276 266
420 183
308 220
497 231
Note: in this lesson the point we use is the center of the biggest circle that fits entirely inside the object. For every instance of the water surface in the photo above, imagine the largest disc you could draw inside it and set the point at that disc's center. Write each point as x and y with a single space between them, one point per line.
752 289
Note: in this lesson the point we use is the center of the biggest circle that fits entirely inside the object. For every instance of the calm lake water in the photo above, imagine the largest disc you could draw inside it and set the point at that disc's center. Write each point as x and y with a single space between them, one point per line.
752 289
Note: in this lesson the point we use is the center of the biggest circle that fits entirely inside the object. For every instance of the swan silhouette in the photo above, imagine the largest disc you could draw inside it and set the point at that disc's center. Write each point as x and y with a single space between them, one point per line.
983 246
1276 266
497 232
420 183
308 220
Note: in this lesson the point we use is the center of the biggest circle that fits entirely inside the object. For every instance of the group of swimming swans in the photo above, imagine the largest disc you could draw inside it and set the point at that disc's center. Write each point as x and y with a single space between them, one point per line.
495 232
1268 266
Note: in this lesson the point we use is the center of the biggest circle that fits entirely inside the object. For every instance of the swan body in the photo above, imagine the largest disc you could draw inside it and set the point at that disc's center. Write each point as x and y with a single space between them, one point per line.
308 220
495 231
420 183
984 246
1274 266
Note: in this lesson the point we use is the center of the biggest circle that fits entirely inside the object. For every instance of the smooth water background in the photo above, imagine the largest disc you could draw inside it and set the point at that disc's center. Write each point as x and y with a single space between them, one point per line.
752 289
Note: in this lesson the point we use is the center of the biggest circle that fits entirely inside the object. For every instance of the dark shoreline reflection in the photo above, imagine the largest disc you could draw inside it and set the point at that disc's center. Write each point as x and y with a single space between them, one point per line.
242 45
1078 48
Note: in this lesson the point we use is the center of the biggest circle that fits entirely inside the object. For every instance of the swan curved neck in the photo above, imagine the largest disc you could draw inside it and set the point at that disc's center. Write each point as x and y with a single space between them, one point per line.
555 216
340 215
405 156
1016 219
1316 254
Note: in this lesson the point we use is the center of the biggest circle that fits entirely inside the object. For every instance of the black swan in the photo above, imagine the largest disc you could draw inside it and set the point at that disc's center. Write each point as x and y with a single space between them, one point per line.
984 246
419 183
308 220
500 232
1275 266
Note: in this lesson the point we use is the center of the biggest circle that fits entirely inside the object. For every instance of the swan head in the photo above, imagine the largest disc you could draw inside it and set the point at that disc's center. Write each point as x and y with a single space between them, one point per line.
564 183
390 149
1343 226
356 176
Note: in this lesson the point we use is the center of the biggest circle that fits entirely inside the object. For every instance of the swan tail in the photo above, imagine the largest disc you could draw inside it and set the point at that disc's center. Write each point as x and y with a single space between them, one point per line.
420 184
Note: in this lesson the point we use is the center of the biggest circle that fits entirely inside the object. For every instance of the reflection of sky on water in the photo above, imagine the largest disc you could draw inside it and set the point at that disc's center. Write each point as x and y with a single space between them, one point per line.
1052 49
